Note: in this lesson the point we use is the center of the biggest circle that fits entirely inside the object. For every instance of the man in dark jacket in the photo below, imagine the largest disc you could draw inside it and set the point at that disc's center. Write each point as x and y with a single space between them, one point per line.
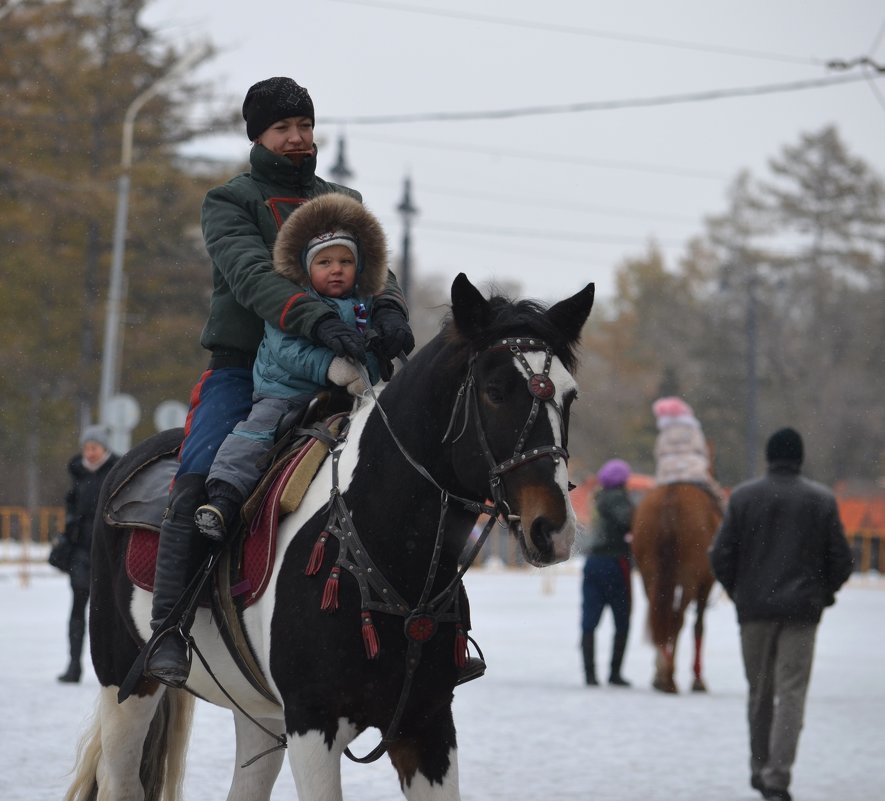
781 554
240 220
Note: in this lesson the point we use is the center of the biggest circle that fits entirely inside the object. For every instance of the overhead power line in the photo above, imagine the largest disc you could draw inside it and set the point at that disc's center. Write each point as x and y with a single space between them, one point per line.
536 25
550 157
594 105
535 233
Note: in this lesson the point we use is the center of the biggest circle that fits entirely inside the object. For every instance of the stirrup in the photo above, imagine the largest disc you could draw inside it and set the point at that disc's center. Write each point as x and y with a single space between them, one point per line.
171 670
474 668
210 522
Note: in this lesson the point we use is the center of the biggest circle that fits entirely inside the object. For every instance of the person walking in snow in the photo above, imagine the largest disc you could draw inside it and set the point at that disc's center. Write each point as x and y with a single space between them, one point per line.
781 555
607 570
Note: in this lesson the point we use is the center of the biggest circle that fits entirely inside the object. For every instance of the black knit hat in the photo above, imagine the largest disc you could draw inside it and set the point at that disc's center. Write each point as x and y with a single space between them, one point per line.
272 100
785 445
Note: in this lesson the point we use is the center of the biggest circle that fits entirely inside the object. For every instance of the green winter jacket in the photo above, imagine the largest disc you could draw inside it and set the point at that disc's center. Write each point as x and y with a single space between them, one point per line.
612 522
240 220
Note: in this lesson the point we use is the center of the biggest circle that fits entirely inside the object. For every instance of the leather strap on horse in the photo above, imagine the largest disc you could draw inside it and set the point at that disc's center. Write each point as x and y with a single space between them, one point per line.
183 607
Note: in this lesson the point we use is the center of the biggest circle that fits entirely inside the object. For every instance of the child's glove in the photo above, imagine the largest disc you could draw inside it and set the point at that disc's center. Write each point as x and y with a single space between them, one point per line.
344 374
393 330
341 338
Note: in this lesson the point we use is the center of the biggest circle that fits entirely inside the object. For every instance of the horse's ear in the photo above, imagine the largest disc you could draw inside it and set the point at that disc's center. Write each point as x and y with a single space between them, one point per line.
470 309
569 315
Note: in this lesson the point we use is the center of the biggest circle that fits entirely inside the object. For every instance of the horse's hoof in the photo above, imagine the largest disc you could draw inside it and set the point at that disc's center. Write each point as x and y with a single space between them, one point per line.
698 686
665 686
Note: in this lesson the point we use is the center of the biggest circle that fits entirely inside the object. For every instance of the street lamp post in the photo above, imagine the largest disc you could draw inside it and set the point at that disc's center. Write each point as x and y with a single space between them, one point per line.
340 170
111 350
408 211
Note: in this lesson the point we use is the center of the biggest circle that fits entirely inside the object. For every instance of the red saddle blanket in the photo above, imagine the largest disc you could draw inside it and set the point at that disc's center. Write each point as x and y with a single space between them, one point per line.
257 548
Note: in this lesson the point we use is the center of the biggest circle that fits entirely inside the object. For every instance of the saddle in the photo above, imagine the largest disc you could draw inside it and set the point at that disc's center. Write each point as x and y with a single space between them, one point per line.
244 568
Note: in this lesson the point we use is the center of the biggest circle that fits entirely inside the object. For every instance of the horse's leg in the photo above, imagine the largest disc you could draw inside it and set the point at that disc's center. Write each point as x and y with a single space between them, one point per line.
664 669
427 761
124 728
700 606
256 781
316 764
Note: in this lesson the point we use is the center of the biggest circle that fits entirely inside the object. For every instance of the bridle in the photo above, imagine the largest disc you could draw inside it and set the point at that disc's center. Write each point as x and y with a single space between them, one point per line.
542 390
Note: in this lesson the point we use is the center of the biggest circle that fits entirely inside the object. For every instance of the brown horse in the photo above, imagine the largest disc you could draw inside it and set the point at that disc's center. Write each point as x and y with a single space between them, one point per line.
673 528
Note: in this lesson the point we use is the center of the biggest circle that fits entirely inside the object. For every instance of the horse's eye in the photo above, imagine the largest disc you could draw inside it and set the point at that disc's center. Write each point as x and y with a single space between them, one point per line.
494 393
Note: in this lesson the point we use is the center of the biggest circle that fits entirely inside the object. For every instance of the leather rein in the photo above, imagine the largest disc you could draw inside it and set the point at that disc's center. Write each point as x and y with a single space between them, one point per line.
422 620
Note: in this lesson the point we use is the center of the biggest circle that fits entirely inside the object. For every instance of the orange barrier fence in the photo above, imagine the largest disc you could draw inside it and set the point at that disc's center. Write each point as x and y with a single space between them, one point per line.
863 518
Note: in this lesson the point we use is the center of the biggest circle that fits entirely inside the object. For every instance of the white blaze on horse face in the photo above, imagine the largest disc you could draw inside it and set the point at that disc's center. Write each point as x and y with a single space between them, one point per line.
564 383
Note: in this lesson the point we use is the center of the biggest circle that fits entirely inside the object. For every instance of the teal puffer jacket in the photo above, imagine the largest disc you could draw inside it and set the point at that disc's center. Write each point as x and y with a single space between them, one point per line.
287 366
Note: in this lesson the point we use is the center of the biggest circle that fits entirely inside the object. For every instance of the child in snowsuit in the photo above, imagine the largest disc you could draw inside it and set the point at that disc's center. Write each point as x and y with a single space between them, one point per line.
337 249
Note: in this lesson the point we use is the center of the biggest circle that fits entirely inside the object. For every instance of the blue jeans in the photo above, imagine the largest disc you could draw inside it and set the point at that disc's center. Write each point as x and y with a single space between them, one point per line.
606 583
220 400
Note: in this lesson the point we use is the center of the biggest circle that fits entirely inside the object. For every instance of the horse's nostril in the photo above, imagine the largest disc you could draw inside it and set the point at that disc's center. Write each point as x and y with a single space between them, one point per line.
541 535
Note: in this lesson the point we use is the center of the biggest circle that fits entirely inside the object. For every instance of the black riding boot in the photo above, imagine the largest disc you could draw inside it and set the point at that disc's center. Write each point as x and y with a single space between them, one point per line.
475 666
168 661
615 677
76 632
588 652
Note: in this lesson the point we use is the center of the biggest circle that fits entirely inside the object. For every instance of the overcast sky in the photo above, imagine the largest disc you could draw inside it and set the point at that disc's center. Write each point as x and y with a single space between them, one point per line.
550 200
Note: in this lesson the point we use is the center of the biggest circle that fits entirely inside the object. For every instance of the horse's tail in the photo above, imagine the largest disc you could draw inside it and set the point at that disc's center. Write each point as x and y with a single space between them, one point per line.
661 612
163 754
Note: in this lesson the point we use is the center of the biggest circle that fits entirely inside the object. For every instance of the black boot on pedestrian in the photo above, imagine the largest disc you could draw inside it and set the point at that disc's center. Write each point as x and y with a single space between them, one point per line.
588 647
620 645
76 632
71 675
169 661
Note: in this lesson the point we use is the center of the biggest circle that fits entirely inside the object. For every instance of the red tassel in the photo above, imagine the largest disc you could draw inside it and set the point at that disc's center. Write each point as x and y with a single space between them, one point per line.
317 555
370 636
460 646
330 593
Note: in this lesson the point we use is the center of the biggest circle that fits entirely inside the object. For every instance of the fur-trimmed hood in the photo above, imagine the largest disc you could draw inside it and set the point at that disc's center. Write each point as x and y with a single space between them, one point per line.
332 212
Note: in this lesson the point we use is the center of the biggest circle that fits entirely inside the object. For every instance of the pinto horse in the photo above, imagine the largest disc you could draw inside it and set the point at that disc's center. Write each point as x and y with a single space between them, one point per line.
673 528
479 413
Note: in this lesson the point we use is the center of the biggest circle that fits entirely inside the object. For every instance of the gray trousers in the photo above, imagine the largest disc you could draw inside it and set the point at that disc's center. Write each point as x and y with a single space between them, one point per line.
235 462
777 663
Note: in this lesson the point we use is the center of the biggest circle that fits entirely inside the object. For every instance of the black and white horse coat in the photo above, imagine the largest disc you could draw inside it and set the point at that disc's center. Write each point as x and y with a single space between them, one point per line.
467 411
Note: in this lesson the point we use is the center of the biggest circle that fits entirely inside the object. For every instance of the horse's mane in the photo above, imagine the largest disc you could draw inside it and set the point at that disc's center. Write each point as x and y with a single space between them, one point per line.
508 318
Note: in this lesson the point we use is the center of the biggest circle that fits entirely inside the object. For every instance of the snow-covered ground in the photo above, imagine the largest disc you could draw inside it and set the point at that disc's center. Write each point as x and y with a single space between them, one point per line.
527 731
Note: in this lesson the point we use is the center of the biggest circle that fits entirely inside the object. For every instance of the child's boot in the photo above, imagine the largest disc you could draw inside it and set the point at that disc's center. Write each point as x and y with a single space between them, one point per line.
218 518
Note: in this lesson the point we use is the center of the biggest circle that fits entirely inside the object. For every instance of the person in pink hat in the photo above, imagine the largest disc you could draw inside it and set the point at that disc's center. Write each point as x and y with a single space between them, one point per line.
681 451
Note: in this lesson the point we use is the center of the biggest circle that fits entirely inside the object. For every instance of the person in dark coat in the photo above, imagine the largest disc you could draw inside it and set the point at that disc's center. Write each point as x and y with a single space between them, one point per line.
88 470
607 570
240 220
781 555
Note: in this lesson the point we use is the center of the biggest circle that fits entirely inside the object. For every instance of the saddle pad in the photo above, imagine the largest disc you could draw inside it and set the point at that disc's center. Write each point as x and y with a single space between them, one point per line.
282 497
259 546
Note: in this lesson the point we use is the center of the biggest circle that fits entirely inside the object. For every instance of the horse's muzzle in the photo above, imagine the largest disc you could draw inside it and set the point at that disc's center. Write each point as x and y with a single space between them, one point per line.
543 542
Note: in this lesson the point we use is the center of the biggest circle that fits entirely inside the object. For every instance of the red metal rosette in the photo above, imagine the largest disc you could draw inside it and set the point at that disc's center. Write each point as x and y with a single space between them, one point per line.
541 386
420 628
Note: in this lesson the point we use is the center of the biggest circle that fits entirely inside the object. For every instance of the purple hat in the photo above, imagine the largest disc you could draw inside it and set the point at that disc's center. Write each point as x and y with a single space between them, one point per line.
613 473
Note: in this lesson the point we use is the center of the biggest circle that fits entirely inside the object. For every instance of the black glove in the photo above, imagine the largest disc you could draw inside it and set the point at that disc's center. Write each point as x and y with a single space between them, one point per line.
340 338
393 330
